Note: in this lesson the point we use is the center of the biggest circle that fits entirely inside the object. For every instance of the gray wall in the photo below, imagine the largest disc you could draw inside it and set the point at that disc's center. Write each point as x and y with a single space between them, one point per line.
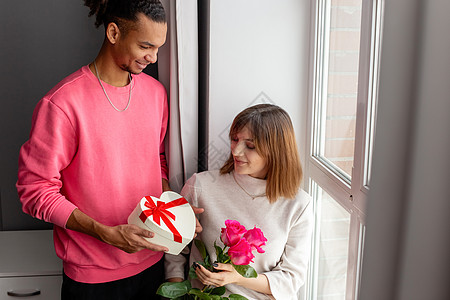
406 256
41 43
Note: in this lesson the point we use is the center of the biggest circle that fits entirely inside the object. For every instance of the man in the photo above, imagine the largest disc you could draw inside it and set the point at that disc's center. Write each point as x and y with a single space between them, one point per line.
96 148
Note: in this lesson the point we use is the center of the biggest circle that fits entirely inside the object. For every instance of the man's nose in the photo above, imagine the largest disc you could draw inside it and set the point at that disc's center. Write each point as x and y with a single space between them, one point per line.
152 57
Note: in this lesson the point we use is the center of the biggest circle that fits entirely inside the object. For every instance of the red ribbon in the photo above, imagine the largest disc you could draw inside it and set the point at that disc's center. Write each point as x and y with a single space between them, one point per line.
160 212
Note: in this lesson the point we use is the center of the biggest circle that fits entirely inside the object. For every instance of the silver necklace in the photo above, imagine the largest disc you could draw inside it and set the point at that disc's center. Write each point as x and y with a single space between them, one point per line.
245 191
104 91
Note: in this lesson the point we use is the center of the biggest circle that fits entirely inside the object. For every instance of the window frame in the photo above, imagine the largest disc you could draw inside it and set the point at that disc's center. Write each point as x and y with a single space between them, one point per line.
350 194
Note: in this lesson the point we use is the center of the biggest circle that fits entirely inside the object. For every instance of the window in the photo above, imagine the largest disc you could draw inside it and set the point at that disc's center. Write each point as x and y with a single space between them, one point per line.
342 123
331 246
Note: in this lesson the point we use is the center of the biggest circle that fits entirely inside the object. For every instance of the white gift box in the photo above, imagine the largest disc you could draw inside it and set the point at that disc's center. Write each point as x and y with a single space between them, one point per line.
170 218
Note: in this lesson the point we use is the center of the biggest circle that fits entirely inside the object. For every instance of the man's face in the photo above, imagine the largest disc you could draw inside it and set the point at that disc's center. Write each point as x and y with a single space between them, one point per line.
139 47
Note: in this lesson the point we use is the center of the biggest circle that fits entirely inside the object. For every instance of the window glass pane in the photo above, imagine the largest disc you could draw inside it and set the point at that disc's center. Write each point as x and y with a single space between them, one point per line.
332 247
340 93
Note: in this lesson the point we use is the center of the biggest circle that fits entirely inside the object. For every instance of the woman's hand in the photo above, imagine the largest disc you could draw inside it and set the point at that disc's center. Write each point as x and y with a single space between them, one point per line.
226 275
198 226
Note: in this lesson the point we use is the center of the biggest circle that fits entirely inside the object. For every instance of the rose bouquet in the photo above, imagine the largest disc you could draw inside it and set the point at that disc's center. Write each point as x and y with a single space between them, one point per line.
239 244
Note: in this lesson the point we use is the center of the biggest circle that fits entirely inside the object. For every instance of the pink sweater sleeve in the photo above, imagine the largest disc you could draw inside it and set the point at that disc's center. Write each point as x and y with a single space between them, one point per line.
49 150
162 155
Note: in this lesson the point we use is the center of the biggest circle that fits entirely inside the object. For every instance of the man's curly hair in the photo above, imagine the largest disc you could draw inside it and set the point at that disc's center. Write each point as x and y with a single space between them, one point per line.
118 11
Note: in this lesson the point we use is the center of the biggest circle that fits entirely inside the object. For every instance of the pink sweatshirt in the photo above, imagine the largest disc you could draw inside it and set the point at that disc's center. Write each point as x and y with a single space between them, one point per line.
84 154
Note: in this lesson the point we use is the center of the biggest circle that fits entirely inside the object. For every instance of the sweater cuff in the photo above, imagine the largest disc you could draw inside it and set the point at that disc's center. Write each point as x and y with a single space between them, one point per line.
273 285
61 214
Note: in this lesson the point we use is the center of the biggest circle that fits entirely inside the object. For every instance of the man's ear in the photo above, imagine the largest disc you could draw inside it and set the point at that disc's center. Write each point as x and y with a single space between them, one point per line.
112 32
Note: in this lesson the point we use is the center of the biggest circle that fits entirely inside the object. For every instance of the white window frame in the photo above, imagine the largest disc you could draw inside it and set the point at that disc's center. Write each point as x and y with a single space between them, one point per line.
350 194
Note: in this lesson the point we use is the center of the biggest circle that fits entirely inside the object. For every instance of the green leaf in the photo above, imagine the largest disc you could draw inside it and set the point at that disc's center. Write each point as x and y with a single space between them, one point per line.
206 263
219 251
218 291
246 271
201 248
236 297
223 258
199 294
174 289
184 297
192 273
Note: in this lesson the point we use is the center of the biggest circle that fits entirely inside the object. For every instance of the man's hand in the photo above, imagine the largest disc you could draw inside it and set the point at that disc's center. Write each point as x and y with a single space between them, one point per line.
130 238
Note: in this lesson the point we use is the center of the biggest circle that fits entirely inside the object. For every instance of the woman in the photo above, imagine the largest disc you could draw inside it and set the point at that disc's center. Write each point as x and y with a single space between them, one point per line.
258 186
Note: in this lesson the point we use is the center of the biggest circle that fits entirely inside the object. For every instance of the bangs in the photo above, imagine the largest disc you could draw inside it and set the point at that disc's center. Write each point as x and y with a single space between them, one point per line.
237 126
257 131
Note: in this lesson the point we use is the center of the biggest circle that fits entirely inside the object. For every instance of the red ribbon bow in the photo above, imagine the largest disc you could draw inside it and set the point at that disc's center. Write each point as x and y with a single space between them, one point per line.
160 212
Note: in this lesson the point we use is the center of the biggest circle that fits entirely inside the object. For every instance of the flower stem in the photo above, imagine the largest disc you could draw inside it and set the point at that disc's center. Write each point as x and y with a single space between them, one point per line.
205 288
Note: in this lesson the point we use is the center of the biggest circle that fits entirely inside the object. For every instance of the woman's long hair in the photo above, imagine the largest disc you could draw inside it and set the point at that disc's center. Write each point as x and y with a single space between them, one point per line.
274 139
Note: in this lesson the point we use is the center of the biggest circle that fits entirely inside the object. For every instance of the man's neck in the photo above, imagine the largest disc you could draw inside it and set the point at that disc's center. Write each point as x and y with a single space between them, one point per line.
109 72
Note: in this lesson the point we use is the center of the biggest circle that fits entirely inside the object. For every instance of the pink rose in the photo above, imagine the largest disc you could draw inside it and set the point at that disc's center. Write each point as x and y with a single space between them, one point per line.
232 233
241 253
256 239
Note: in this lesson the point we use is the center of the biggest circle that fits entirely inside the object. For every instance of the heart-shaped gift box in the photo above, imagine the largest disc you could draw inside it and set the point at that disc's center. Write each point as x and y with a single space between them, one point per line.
170 218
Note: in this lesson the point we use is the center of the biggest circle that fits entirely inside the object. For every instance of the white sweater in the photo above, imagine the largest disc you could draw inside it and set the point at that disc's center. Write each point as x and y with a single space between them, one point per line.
287 225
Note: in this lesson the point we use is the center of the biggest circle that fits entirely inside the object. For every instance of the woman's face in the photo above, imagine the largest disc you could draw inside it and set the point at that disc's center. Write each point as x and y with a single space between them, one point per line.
247 161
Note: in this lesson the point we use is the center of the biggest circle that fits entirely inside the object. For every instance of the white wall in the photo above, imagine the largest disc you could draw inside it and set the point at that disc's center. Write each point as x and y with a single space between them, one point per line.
258 53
